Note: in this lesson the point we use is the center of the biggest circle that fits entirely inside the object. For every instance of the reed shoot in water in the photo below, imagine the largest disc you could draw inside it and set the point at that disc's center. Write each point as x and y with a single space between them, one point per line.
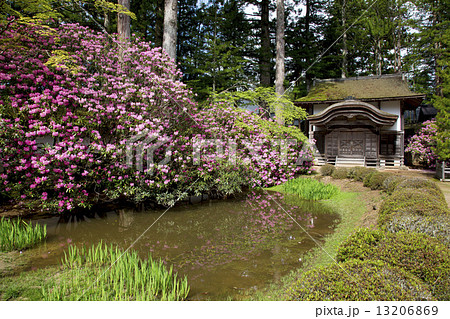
103 273
16 234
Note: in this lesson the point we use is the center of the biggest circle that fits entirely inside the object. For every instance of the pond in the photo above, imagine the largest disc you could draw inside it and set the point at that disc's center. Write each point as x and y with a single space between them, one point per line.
224 247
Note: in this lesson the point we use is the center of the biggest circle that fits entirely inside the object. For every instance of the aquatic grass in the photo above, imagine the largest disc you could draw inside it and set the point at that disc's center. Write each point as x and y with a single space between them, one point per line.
310 189
128 278
16 234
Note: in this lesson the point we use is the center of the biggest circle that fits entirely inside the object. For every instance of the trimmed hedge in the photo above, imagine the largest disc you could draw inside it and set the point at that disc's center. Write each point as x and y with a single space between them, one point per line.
360 244
375 180
391 182
368 280
418 254
438 227
327 170
422 202
418 183
340 173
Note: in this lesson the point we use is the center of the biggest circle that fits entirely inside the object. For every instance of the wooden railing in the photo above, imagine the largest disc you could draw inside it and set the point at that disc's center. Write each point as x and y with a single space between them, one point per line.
442 172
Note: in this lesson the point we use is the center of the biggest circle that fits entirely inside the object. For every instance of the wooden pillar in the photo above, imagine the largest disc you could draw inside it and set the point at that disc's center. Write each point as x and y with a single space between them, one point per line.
311 133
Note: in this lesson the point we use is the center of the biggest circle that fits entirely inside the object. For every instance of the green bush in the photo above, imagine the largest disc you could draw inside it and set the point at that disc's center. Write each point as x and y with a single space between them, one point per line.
360 244
375 180
359 173
340 173
103 273
15 234
391 182
422 202
310 189
438 227
352 172
359 280
418 183
418 254
327 170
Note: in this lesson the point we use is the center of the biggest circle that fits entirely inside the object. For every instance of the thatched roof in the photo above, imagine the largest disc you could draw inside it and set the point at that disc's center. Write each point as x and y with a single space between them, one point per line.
369 88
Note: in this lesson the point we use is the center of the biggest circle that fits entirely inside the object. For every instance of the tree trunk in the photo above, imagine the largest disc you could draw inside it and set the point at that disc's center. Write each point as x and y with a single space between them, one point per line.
265 52
344 40
123 27
378 58
159 23
437 57
107 21
170 28
307 40
279 79
397 38
397 50
123 22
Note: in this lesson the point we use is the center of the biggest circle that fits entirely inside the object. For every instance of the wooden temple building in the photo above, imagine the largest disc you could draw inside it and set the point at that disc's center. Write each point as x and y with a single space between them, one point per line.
359 121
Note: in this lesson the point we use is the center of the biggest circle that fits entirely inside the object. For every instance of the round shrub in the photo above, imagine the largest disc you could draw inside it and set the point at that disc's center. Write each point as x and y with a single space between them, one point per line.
340 173
375 180
352 172
359 173
391 182
327 170
370 280
416 253
438 227
422 202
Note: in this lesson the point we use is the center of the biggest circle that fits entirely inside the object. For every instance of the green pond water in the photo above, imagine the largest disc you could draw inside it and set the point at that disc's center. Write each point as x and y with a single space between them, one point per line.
224 247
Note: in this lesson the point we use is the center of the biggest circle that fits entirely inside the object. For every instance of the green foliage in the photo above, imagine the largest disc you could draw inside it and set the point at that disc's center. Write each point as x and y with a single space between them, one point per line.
103 273
16 234
27 285
434 226
359 280
442 100
419 183
215 41
359 245
259 96
375 180
359 173
443 123
429 49
310 189
340 173
422 202
40 11
391 182
327 170
418 254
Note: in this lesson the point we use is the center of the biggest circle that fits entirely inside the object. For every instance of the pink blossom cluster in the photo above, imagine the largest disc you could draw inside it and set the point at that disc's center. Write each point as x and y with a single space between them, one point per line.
66 120
422 144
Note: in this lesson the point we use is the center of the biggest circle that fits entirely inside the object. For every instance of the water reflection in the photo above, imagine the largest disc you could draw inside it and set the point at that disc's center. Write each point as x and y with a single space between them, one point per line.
224 247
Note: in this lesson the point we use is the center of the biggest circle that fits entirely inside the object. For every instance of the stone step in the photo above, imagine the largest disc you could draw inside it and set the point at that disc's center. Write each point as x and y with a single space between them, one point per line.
343 161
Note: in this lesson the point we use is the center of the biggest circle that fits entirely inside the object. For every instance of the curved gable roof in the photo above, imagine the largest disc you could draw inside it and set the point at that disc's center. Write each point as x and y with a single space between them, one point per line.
351 109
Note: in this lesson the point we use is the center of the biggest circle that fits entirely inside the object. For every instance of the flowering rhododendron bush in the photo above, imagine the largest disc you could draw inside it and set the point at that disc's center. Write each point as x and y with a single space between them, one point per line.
423 143
79 123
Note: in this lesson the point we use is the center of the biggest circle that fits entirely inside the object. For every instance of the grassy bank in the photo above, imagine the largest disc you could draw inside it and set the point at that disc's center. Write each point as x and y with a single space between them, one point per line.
348 206
410 249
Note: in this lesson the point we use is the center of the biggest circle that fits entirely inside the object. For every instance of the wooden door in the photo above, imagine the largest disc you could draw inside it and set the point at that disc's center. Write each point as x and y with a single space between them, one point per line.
371 145
352 144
